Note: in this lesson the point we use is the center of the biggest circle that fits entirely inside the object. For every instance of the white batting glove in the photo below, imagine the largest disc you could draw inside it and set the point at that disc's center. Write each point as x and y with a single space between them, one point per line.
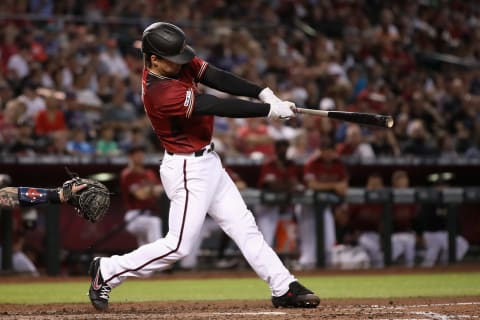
267 96
282 110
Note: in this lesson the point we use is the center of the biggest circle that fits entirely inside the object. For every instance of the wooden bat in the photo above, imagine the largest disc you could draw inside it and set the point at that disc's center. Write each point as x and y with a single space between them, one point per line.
370 119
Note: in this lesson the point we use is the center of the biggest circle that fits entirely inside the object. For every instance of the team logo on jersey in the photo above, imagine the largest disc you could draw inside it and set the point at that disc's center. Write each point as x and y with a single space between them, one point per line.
188 98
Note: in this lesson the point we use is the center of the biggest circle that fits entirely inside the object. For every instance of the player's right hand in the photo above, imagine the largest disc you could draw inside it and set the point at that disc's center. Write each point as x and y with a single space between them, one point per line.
282 110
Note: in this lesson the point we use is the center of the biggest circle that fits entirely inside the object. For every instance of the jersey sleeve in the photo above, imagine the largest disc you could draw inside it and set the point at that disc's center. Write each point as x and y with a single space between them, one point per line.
173 100
197 67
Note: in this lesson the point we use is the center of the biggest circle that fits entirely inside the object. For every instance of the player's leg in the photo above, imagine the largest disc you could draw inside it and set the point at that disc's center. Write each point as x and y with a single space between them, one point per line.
329 234
462 247
433 246
23 264
231 213
154 228
188 184
370 241
137 225
190 261
307 231
410 243
403 243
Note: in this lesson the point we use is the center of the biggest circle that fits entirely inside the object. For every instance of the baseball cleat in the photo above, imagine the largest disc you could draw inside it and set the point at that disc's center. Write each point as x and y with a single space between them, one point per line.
296 297
99 291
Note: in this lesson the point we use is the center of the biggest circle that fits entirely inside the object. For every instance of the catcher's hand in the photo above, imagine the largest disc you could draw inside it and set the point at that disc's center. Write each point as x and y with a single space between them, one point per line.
90 198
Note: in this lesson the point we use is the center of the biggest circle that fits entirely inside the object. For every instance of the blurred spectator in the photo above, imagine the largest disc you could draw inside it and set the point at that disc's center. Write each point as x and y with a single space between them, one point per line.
114 61
6 93
343 56
119 113
253 139
32 100
18 63
418 143
9 118
384 143
141 191
78 144
106 145
86 99
323 172
432 228
279 131
354 144
59 143
51 119
23 144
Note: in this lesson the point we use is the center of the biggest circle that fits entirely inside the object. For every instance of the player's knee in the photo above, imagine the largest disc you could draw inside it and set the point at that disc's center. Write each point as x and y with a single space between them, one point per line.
183 251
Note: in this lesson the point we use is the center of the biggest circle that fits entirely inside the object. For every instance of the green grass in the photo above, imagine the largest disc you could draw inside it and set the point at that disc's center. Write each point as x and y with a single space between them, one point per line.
339 286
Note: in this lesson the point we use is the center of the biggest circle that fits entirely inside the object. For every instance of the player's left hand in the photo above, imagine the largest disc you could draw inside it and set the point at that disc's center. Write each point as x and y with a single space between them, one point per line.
90 198
282 110
75 189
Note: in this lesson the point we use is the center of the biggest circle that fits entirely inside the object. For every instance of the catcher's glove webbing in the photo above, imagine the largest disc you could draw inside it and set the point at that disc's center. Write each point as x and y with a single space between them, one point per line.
92 202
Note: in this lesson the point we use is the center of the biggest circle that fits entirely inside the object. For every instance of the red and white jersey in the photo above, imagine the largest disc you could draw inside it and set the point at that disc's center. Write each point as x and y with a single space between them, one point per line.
366 216
169 104
130 180
319 170
272 172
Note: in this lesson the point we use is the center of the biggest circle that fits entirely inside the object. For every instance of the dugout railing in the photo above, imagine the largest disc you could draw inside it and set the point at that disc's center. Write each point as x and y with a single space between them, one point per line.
452 197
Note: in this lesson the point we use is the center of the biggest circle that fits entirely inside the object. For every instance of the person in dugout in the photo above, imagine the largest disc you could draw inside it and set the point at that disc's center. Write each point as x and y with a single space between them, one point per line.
141 190
432 228
278 176
323 172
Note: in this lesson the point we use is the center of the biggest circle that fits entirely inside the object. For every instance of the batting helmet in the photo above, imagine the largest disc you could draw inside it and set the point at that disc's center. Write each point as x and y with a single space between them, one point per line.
167 41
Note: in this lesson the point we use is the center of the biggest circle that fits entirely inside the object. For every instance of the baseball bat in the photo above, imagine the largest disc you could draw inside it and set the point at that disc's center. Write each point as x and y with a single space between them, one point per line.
370 119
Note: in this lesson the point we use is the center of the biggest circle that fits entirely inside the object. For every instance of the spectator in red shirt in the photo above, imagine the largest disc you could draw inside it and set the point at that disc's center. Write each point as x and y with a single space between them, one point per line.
253 138
50 119
354 144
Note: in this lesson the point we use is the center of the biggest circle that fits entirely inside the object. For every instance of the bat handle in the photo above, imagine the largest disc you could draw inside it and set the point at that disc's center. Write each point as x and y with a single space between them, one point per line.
321 113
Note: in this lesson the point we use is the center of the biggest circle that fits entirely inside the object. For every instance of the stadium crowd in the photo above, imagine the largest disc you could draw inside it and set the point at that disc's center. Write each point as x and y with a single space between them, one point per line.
70 78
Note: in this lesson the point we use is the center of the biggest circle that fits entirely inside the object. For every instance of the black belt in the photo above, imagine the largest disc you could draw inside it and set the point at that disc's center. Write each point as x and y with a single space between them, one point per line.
200 152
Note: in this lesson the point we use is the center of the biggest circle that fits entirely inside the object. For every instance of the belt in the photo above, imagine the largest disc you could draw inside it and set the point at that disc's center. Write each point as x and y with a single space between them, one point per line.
197 153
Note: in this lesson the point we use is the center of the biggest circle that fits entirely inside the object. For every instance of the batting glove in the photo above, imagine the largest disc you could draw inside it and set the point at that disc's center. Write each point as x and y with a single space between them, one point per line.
267 96
282 110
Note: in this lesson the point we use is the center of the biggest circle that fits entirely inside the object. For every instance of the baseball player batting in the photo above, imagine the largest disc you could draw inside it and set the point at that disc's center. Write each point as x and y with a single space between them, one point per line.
191 171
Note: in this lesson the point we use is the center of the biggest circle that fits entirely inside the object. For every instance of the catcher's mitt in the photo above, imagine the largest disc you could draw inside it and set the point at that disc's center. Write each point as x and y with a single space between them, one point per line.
92 202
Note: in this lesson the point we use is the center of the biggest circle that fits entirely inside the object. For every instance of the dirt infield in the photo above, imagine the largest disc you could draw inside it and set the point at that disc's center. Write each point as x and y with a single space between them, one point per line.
411 308
443 308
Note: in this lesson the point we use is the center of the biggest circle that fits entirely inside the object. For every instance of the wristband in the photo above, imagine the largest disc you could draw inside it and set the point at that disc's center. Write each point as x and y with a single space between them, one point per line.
33 196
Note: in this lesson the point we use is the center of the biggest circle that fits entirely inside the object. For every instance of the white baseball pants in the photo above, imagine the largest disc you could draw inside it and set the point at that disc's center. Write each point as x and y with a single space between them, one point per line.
145 227
436 247
195 186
